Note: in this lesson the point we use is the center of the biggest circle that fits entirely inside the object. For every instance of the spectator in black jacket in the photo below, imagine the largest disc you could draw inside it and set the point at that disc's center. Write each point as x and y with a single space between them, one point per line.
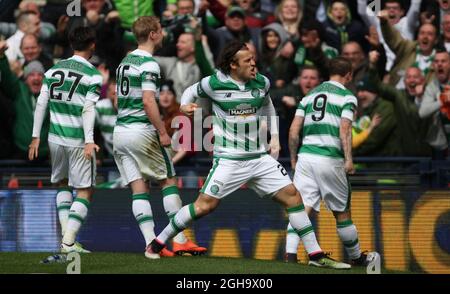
234 29
101 16
341 28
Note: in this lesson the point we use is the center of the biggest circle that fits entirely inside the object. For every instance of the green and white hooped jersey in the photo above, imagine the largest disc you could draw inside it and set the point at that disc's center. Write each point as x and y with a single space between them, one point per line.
106 116
137 72
236 114
323 109
69 83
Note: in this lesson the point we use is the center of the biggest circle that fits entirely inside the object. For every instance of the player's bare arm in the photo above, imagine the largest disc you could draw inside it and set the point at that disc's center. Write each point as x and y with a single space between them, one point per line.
345 133
268 110
152 111
294 138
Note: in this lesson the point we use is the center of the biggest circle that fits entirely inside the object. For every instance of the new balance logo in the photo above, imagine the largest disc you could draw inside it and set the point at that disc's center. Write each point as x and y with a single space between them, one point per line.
228 95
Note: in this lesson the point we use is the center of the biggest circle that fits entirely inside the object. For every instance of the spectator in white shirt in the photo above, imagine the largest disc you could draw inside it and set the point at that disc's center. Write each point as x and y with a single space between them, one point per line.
27 23
405 24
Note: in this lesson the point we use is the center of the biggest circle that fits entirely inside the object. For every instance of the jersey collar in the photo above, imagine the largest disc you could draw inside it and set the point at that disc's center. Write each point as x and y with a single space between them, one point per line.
337 84
141 53
81 59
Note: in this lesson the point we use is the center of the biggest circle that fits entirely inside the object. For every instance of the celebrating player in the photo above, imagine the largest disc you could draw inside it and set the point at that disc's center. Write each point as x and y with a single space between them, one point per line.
71 88
324 160
239 96
140 136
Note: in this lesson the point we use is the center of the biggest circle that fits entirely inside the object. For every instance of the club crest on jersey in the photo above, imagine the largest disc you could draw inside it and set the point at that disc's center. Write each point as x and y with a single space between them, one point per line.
255 93
242 109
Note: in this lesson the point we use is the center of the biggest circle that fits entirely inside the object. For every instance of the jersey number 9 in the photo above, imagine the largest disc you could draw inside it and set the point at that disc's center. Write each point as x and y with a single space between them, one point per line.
319 105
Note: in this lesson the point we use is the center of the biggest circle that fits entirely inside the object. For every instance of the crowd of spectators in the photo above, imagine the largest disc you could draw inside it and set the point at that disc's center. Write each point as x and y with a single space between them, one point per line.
400 59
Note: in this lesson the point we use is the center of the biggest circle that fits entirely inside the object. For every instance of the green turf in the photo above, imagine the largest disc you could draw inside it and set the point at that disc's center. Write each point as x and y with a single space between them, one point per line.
129 263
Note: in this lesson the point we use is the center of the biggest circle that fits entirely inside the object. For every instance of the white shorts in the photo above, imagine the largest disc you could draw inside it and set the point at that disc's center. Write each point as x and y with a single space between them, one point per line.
264 175
317 178
139 155
69 162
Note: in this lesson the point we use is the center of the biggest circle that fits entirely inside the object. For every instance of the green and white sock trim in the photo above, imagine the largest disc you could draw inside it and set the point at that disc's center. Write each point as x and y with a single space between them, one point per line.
349 236
64 200
170 190
299 208
144 218
73 214
192 211
141 196
344 224
184 217
305 231
351 244
291 231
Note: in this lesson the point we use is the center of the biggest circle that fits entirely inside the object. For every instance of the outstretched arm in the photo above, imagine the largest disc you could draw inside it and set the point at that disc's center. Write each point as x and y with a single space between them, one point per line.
393 38
413 14
369 20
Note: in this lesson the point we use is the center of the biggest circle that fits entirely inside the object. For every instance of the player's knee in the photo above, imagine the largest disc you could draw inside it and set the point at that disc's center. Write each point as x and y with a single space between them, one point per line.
290 196
203 208
291 191
205 205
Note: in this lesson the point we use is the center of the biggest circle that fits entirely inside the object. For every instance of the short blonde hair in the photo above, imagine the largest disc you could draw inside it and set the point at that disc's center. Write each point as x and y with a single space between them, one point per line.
143 26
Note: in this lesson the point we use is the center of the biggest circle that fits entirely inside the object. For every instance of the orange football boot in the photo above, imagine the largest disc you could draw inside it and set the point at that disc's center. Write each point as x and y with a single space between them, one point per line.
188 247
166 253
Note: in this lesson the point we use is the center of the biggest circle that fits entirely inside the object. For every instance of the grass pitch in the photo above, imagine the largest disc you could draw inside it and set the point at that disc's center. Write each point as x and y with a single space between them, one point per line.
132 263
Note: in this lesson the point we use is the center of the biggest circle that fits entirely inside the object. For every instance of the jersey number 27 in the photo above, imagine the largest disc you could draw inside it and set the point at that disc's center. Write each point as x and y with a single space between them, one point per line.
54 86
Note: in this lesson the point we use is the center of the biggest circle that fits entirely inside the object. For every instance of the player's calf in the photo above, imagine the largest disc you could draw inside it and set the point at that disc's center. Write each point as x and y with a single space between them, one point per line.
77 215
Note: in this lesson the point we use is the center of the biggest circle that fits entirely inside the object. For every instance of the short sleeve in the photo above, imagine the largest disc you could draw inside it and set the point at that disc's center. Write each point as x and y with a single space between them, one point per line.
95 87
203 89
301 108
150 76
349 108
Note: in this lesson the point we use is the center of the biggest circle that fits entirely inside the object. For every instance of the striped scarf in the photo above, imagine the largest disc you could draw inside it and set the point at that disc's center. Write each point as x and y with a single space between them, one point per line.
424 62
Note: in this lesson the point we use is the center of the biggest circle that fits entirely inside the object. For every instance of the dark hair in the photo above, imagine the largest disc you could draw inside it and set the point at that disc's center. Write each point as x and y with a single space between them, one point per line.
399 2
309 67
340 66
312 25
227 54
81 38
440 48
167 85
